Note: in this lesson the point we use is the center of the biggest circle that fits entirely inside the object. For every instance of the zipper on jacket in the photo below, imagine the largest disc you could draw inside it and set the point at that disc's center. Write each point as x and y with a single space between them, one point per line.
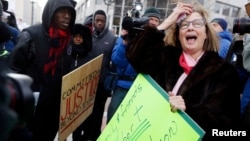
76 60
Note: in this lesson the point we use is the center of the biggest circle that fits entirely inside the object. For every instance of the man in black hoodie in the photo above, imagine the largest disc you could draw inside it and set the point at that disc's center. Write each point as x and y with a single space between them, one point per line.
43 52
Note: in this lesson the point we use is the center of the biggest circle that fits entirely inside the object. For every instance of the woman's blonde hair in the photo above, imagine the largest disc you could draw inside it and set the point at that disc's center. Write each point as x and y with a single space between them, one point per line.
211 43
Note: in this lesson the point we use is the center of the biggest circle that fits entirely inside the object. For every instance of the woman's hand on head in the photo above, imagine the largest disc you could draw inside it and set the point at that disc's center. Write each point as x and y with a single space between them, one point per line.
180 10
176 102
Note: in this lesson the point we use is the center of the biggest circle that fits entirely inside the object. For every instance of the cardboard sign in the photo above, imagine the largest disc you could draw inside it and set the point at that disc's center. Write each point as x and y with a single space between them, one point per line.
145 115
78 96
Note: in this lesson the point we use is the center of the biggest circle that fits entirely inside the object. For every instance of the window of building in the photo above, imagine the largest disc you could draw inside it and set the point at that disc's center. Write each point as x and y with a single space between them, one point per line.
116 21
127 9
226 9
150 3
118 2
117 11
163 13
235 11
161 3
217 7
173 1
129 2
98 1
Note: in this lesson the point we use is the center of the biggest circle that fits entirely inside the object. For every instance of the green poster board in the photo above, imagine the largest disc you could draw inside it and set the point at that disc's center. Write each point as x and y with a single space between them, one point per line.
145 115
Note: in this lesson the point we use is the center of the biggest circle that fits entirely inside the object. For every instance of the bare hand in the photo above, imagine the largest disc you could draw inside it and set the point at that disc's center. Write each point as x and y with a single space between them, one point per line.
176 102
179 10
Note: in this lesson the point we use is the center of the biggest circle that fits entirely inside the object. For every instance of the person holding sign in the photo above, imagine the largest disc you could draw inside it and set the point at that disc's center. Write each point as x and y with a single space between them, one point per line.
103 41
185 62
81 46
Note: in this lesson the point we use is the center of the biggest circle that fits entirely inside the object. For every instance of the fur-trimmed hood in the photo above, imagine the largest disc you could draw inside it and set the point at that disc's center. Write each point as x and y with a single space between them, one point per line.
82 49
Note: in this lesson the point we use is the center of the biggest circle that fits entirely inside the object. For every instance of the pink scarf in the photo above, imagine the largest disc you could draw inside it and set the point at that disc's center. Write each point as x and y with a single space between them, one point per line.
184 64
187 63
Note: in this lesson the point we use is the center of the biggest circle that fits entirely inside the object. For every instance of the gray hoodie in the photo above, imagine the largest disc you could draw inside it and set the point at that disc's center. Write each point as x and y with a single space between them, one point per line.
103 43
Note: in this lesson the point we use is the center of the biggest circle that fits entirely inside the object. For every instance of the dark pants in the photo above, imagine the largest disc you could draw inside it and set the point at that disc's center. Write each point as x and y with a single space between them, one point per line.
46 118
91 127
245 95
116 100
245 106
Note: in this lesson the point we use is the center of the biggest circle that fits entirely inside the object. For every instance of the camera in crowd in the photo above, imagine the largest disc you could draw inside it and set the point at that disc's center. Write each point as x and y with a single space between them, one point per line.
133 25
17 104
242 25
234 55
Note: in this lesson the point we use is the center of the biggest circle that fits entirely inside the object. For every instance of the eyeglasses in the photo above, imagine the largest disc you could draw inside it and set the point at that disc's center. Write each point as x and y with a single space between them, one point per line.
197 23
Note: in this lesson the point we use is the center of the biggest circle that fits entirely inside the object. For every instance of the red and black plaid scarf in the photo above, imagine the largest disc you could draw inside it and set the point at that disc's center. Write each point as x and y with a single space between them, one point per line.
62 39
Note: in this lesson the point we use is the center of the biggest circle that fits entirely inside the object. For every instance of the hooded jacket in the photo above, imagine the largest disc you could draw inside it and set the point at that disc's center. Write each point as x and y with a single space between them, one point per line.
79 52
225 42
30 56
88 21
103 43
32 49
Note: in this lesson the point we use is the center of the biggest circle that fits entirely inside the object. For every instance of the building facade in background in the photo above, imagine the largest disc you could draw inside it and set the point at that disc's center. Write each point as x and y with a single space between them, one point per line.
25 14
116 9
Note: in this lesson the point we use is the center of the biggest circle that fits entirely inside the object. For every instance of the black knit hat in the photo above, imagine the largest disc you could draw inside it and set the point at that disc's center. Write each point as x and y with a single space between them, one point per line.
152 12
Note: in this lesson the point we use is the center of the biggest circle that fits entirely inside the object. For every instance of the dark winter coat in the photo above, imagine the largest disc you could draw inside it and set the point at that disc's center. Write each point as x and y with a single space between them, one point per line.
29 57
79 52
210 91
33 46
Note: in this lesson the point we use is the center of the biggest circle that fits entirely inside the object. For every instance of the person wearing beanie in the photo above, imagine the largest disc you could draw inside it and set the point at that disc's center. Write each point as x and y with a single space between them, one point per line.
221 22
225 37
154 16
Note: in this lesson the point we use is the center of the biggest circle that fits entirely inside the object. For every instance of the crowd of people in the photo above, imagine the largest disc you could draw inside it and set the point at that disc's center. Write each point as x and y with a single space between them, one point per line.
185 54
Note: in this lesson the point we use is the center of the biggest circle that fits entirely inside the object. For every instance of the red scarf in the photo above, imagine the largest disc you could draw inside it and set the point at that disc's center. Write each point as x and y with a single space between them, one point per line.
61 39
184 64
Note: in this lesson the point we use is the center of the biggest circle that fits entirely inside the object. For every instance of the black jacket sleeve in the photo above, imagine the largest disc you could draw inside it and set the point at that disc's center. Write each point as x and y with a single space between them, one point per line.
145 52
23 54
